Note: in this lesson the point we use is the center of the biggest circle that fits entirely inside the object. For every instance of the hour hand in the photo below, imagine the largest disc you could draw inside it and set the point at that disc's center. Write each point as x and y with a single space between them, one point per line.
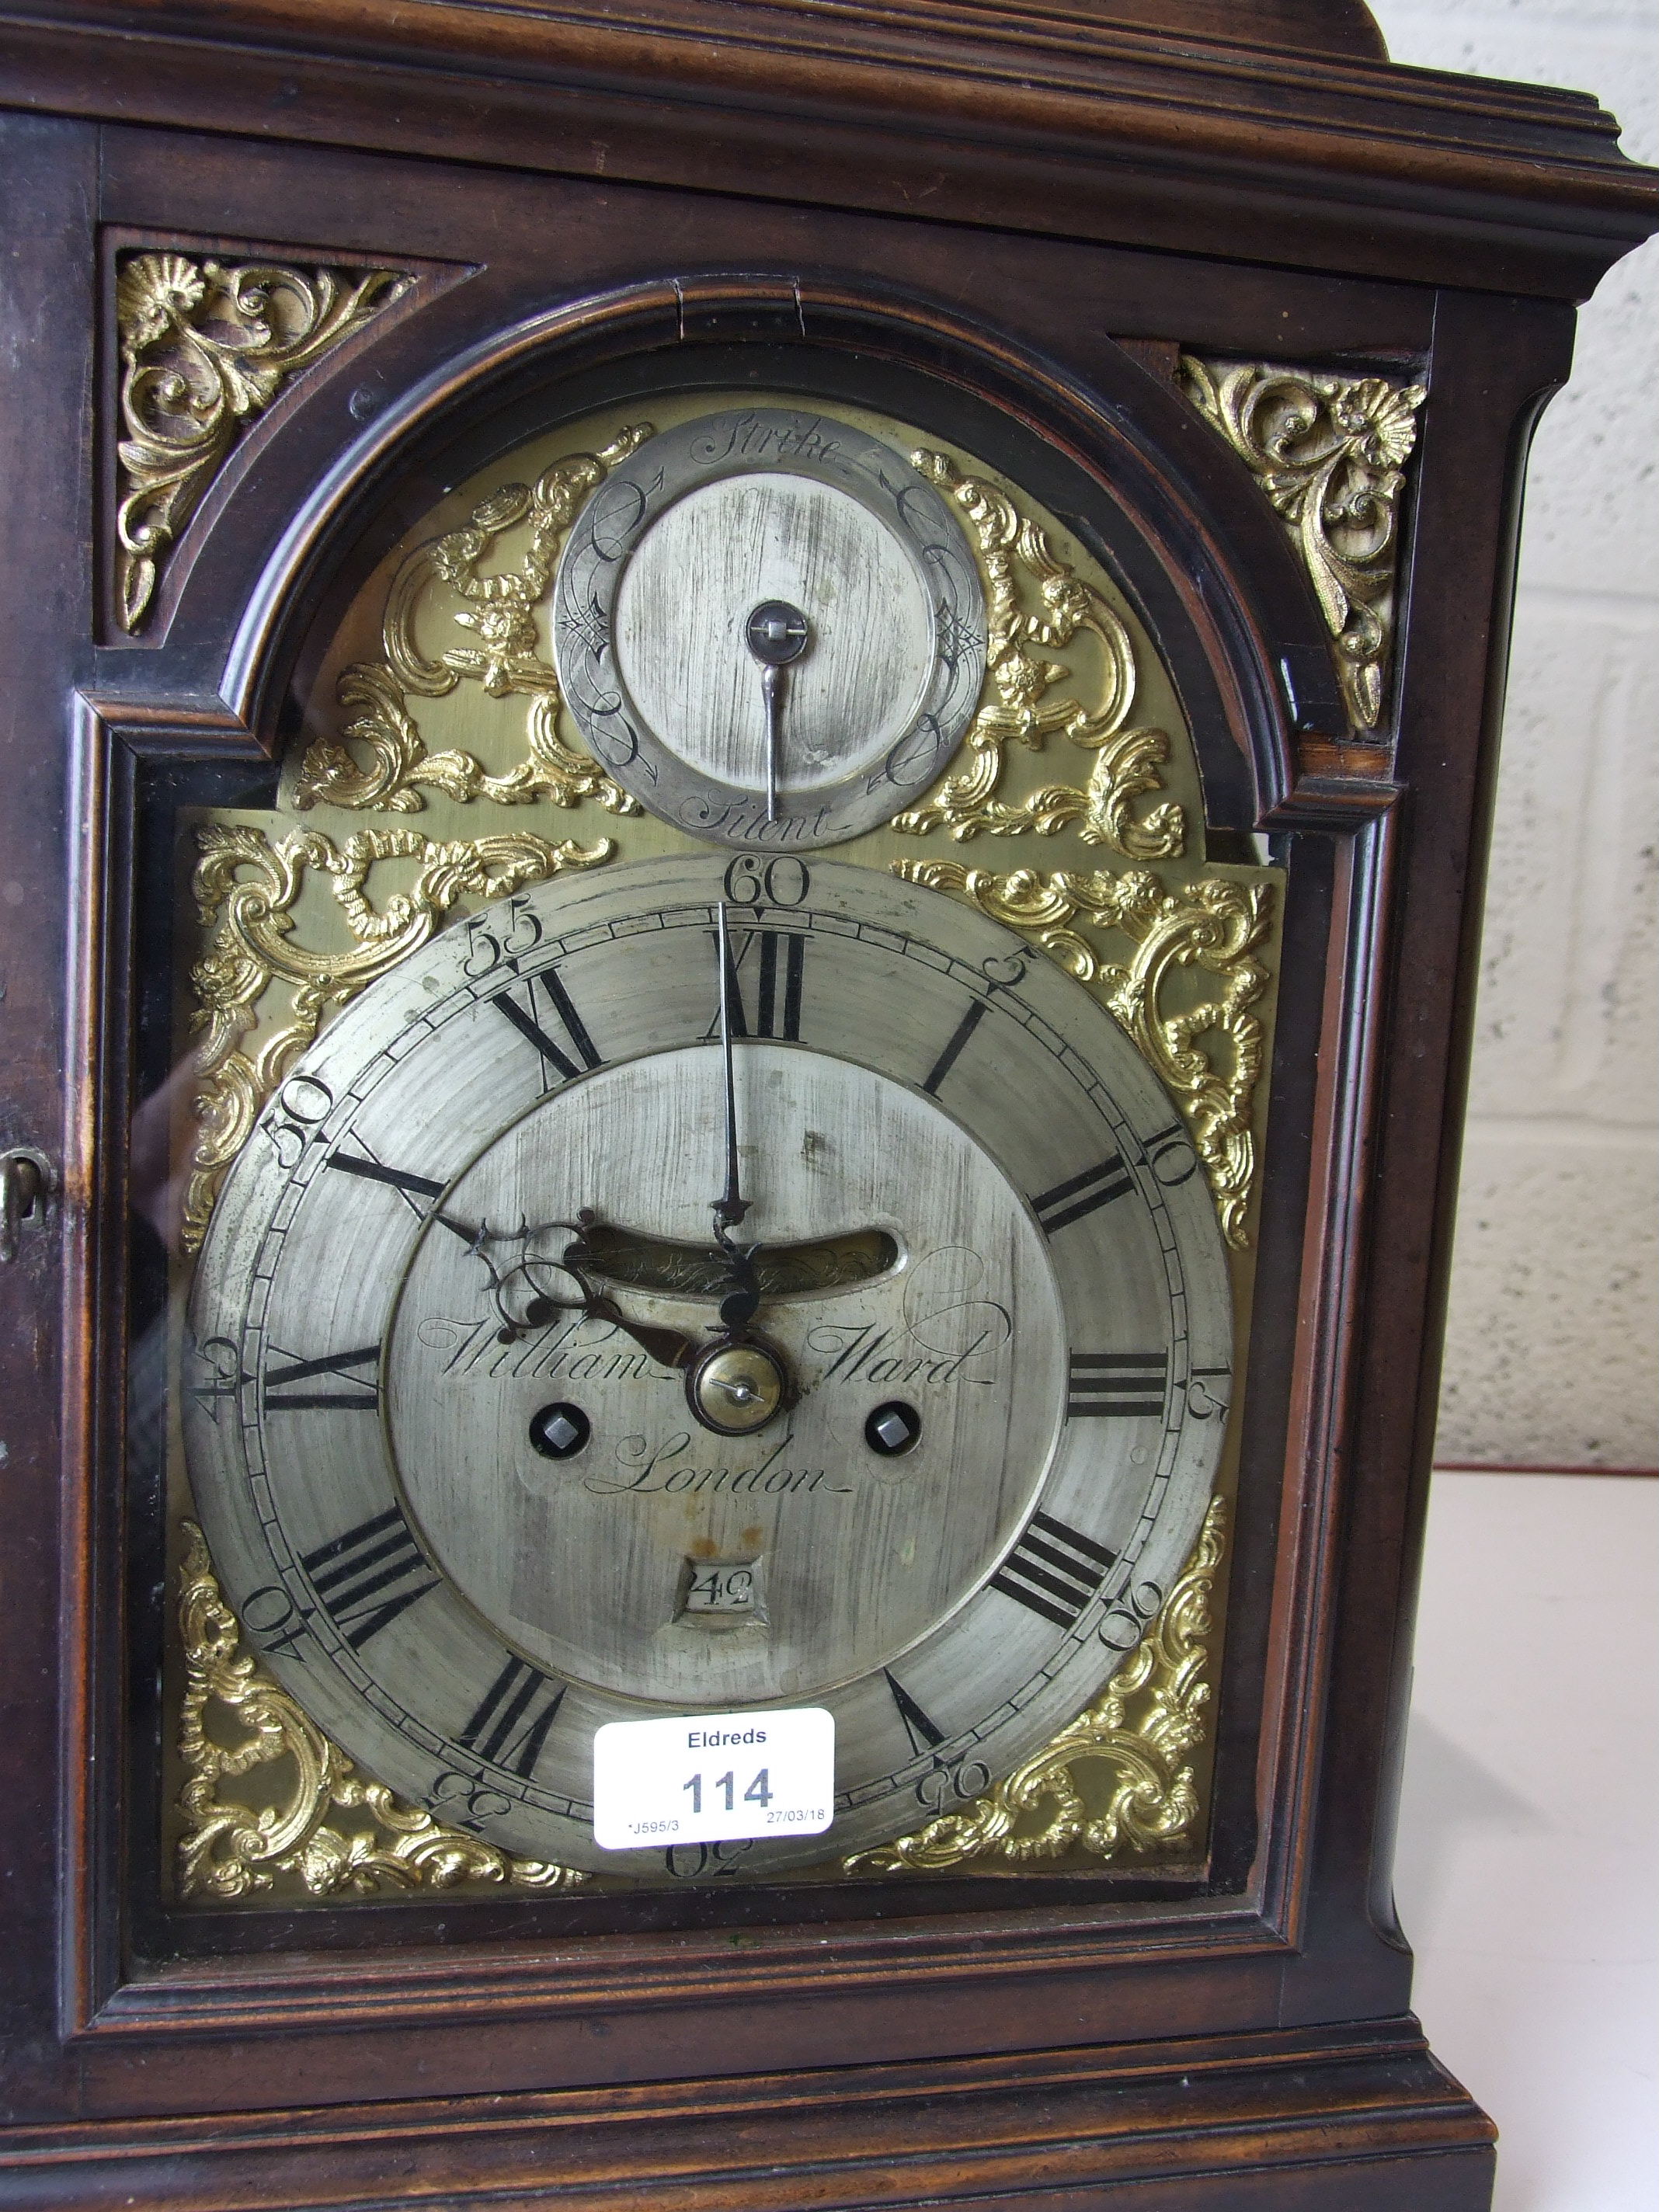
666 1346
543 1304
741 1301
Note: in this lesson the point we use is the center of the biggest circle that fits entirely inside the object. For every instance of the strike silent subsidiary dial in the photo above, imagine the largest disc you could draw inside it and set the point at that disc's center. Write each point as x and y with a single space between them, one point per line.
713 1301
770 629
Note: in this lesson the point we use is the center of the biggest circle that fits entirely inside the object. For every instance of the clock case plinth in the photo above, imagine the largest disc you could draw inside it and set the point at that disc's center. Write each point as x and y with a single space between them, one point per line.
1039 224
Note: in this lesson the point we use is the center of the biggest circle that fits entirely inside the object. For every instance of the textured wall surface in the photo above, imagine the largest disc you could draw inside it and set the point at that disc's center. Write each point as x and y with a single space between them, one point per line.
1553 1348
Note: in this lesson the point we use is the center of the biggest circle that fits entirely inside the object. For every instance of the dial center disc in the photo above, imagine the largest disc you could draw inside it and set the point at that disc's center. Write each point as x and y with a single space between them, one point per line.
695 608
759 1451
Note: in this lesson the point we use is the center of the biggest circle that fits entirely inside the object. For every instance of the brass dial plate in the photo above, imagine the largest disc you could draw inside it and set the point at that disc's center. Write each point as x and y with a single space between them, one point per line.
972 1596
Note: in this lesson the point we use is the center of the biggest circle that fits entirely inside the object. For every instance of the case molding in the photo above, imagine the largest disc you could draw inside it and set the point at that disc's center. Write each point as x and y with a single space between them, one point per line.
1359 2116
1019 116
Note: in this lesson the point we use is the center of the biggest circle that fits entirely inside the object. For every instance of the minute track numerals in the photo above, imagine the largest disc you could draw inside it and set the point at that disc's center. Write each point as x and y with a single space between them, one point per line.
446 1599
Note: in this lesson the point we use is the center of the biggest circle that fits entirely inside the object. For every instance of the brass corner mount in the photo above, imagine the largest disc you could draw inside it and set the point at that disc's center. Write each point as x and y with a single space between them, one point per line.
1330 453
206 347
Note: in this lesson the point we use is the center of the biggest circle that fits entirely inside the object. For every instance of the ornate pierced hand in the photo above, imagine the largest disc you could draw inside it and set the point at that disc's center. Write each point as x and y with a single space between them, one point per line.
527 1279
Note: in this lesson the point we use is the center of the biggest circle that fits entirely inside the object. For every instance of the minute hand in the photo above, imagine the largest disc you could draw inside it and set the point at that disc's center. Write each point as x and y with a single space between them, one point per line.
732 1206
738 1306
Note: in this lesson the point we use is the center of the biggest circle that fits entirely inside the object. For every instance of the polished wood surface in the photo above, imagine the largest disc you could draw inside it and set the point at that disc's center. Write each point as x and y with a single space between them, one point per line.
1011 117
977 201
1363 2121
1329 27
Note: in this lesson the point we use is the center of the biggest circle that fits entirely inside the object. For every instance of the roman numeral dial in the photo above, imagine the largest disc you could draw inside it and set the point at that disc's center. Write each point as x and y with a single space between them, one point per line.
955 1046
1116 1385
1082 1194
440 1434
925 1735
767 969
343 1382
411 1187
510 1723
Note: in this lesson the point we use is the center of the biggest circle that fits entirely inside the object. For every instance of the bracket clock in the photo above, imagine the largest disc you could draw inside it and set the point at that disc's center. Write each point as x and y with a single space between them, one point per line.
747 759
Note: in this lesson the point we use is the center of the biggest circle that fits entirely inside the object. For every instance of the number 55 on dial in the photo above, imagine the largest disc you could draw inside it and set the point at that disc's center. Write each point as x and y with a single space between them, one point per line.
708 1778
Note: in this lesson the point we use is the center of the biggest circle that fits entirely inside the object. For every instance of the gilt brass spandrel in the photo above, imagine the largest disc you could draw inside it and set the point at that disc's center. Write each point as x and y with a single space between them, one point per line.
1038 604
483 629
271 1809
456 1454
1072 663
441 689
1330 451
1209 1052
206 347
1126 1776
260 983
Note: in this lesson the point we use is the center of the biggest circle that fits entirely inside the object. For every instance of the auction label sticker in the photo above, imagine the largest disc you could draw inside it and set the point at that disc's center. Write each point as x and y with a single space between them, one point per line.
709 1778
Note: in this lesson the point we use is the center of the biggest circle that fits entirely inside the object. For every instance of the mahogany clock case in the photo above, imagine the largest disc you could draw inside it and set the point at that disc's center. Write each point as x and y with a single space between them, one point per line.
1239 2035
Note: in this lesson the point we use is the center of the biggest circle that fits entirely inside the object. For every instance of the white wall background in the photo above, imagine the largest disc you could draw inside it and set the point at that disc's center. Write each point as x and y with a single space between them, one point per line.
1553 1348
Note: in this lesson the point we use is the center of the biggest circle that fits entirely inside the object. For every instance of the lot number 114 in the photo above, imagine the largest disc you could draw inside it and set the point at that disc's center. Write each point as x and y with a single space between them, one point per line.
708 1778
